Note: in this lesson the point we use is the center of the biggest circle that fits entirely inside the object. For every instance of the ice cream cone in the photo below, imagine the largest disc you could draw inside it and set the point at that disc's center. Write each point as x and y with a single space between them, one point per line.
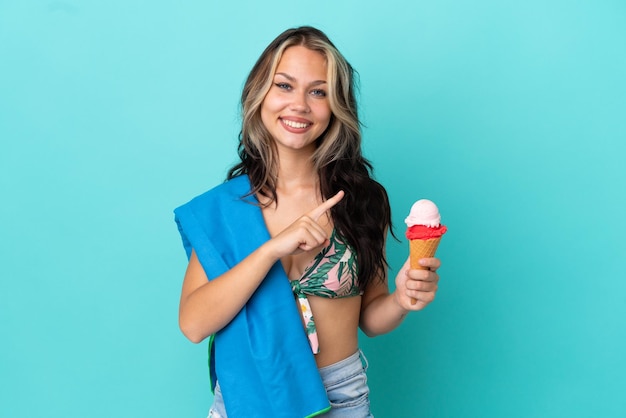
422 248
424 231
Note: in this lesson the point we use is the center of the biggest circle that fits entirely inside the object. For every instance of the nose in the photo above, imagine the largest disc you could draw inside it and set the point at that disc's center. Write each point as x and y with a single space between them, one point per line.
300 103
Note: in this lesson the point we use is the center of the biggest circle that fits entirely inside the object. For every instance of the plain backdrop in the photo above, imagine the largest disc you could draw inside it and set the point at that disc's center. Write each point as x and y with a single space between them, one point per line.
509 115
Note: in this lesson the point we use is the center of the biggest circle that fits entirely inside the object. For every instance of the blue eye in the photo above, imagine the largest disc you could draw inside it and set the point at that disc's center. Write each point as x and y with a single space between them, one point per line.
283 86
318 92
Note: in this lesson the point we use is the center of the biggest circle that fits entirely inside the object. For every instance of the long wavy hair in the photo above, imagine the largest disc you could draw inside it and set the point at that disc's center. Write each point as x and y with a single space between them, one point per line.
363 216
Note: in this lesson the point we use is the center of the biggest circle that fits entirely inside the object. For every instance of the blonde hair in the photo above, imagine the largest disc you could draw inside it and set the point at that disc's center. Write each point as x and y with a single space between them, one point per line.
342 138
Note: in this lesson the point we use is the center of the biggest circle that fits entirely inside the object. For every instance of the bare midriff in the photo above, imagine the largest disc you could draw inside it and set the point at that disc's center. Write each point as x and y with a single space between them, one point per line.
337 322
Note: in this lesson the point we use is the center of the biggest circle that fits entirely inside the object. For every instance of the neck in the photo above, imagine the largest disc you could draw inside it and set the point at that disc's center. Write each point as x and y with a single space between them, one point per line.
296 171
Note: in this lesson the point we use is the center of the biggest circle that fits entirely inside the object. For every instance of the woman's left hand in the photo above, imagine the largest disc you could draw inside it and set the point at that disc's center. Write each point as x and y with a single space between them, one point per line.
417 286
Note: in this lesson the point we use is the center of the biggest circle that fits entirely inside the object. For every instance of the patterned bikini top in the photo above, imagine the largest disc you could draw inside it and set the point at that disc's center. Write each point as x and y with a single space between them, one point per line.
331 274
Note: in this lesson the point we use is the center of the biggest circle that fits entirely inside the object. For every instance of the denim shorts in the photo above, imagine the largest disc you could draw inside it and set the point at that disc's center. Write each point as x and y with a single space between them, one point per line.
346 386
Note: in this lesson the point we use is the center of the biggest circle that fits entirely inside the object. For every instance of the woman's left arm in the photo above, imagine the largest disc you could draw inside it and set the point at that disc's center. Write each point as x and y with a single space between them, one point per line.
382 312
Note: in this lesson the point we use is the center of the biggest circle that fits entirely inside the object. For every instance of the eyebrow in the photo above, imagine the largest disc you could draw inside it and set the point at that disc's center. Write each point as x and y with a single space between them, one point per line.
293 80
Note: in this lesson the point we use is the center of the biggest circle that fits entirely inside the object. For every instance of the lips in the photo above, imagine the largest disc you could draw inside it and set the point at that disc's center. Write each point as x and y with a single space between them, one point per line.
295 125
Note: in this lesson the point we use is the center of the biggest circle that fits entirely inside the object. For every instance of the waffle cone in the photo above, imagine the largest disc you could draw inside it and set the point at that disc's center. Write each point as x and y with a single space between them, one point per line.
422 248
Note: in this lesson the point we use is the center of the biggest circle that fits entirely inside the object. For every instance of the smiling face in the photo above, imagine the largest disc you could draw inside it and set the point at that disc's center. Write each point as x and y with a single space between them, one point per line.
296 110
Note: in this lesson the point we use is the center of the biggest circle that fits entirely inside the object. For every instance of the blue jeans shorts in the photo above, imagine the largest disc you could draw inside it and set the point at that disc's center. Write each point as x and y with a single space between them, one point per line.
346 386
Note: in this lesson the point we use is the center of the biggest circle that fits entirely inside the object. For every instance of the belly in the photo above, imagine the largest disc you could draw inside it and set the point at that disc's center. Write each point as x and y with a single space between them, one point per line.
337 322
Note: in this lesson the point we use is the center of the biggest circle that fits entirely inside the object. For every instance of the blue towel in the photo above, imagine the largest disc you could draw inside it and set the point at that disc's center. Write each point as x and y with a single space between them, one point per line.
262 358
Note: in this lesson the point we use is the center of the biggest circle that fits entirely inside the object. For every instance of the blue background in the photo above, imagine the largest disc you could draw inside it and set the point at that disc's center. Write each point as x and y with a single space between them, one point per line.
509 115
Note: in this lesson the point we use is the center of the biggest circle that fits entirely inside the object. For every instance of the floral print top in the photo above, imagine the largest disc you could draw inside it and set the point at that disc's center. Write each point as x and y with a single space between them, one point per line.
331 274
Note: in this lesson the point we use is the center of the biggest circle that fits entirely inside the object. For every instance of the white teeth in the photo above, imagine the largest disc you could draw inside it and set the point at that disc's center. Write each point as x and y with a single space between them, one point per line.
297 125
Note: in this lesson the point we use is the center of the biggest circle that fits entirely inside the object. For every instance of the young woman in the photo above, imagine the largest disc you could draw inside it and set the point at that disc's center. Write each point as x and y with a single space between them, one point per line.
301 211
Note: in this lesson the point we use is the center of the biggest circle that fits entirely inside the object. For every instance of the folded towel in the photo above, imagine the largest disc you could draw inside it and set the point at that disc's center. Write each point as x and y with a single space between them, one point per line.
262 358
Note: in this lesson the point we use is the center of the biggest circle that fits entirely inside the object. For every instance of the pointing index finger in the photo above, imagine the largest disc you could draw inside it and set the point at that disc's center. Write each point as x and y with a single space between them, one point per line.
321 209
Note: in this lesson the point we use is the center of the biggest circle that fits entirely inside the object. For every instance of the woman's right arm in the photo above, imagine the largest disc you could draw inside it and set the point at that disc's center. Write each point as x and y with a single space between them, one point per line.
208 306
